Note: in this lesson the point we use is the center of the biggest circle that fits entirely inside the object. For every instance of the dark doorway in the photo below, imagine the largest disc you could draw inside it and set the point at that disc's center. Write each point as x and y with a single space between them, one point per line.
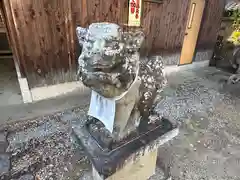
10 92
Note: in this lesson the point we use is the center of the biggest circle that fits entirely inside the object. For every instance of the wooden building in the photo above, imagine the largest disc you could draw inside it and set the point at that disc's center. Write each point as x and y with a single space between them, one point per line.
45 49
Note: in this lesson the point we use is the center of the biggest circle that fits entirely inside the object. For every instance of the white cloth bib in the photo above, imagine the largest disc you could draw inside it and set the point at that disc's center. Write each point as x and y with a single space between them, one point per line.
103 109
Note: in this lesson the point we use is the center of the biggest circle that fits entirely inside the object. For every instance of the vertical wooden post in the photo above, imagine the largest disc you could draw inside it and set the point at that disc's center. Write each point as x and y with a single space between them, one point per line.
6 10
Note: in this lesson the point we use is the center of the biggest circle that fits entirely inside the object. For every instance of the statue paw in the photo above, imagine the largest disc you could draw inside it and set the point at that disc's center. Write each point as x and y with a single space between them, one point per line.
154 118
234 79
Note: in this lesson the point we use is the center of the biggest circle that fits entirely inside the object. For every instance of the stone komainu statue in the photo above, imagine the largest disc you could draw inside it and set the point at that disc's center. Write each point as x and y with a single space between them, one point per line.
110 63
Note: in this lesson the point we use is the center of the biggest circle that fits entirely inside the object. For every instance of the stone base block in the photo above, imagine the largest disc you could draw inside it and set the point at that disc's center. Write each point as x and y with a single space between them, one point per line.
141 169
132 158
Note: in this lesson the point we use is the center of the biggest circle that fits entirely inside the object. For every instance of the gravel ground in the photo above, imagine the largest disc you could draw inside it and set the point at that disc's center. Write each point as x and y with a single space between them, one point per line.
44 148
207 148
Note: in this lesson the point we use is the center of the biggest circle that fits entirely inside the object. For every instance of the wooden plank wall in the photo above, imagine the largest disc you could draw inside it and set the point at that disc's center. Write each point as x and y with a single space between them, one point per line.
164 24
86 12
45 40
105 10
211 23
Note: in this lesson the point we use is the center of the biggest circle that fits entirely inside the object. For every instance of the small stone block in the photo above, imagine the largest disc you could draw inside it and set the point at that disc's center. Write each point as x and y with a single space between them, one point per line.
26 177
4 165
3 142
141 169
2 137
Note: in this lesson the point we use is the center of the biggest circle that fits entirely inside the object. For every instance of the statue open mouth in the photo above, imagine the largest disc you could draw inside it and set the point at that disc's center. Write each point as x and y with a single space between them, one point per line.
102 65
99 67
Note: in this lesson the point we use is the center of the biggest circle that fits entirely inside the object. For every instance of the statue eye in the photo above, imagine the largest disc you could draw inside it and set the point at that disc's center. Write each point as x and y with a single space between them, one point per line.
87 45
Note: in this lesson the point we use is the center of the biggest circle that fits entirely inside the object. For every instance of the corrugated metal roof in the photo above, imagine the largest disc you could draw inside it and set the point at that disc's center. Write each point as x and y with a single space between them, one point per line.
232 5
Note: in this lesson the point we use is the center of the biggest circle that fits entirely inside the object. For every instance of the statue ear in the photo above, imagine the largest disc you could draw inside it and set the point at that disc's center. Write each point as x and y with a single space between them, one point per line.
81 34
133 40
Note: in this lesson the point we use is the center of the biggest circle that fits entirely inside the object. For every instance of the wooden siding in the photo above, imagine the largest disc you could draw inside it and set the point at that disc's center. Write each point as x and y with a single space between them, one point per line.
211 23
86 12
164 24
43 31
45 39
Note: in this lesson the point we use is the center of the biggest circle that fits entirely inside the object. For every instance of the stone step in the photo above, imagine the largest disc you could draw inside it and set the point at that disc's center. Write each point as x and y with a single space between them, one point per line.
3 142
66 162
22 141
43 147
26 177
55 157
4 166
28 163
37 158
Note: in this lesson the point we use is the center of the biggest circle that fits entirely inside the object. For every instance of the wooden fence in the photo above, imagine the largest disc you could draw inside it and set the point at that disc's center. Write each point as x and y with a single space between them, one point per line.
43 32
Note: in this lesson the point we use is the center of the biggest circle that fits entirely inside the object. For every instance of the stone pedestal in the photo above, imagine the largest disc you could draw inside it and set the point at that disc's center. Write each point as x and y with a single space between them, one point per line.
140 169
133 159
110 65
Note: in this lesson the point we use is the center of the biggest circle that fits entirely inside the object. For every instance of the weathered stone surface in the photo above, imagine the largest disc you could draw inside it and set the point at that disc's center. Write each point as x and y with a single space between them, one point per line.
109 60
4 165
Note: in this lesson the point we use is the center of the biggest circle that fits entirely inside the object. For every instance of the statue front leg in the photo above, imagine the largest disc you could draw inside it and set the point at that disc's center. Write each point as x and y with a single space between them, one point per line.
127 114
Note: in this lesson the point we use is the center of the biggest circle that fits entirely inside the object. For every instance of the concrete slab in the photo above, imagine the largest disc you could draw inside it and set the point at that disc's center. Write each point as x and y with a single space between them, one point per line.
41 93
17 113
